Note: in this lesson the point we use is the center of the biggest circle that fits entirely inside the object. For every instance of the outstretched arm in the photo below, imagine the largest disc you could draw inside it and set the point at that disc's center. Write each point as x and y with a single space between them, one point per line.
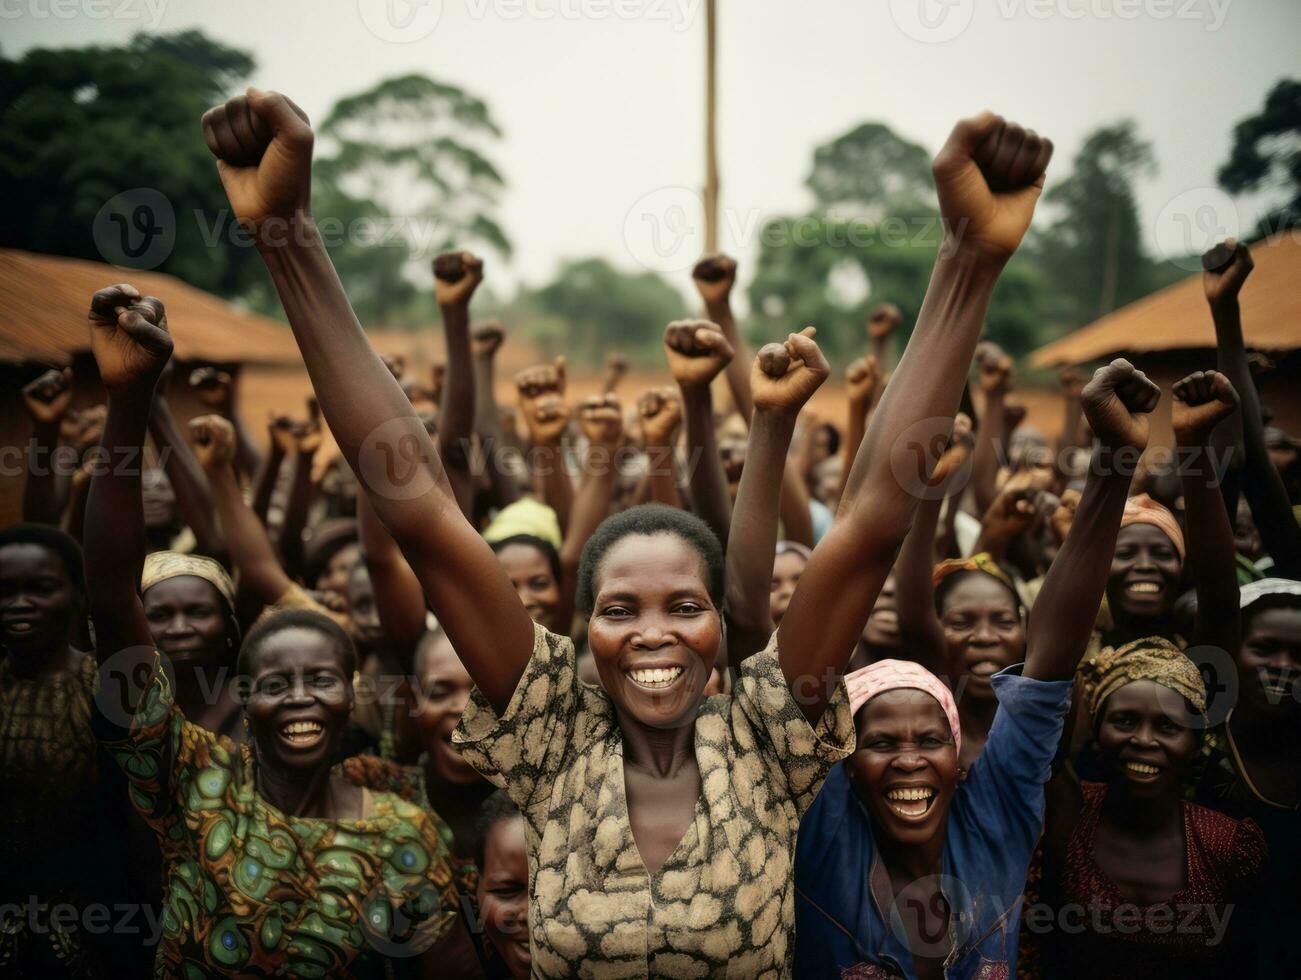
714 276
302 489
485 340
263 144
1202 401
46 400
661 418
193 496
783 378
546 416
863 386
995 381
128 336
456 275
989 176
1117 402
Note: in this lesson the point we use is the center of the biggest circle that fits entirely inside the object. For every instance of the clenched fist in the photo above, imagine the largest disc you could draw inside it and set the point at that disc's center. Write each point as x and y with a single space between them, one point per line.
786 375
263 146
660 410
486 339
1117 403
456 276
1225 268
989 175
696 350
213 438
863 380
213 387
602 421
542 379
883 321
714 276
48 397
1202 401
547 418
995 369
129 338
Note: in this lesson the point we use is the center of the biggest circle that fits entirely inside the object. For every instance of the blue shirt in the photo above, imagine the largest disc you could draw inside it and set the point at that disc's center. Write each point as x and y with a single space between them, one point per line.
994 823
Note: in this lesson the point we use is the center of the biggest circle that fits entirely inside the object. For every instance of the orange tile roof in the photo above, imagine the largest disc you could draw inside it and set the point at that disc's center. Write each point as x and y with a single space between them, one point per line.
44 299
1177 317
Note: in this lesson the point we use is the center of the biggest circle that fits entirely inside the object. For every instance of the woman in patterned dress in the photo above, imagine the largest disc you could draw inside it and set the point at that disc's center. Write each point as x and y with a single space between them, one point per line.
274 862
660 824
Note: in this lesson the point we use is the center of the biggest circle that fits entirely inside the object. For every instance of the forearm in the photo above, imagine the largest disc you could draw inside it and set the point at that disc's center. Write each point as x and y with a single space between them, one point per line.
247 458
42 502
399 600
487 414
193 496
301 492
552 482
738 370
854 433
74 518
922 639
456 414
1211 550
264 487
705 474
260 573
793 509
591 505
661 476
984 456
1064 611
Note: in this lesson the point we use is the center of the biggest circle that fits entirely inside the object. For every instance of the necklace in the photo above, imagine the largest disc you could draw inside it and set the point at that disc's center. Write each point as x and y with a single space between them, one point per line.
1246 776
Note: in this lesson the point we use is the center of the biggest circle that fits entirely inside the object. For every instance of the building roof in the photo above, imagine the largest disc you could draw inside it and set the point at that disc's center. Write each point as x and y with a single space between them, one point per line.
44 299
1177 317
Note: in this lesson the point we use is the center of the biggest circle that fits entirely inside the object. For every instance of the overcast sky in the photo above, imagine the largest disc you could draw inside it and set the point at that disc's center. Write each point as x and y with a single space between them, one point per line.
601 101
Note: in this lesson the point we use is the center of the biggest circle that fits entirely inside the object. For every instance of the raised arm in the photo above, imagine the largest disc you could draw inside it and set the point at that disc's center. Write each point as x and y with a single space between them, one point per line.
882 325
485 340
661 418
128 336
989 176
220 393
714 276
1117 403
783 378
263 144
46 400
302 489
546 416
863 386
1202 401
193 496
280 436
456 276
995 369
399 600
697 351
1227 267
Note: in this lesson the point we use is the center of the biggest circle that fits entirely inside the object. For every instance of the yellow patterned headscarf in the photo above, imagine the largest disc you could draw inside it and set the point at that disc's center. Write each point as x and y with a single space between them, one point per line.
162 565
1152 658
980 562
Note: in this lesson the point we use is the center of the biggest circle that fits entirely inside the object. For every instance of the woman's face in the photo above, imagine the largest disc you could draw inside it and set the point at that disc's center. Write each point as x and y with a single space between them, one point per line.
37 599
157 498
905 769
1144 579
881 631
654 631
504 894
1269 659
983 632
442 691
187 618
786 571
1144 739
362 611
335 577
299 700
535 583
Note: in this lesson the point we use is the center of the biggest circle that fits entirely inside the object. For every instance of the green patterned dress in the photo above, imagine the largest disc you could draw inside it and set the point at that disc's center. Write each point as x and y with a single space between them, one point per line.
252 892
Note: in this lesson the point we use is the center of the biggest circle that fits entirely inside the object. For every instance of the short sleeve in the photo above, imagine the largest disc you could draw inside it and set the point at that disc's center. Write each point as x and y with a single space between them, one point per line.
529 744
1006 782
802 754
159 744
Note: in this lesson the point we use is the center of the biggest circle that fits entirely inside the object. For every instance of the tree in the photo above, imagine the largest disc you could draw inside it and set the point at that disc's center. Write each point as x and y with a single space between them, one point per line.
1267 150
1092 255
870 171
80 126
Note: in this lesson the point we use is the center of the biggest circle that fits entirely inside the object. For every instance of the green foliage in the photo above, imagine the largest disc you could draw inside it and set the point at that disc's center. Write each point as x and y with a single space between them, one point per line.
871 168
81 125
591 309
1267 150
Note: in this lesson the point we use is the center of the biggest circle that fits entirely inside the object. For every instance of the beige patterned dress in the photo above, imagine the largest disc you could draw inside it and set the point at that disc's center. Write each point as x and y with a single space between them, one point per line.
722 903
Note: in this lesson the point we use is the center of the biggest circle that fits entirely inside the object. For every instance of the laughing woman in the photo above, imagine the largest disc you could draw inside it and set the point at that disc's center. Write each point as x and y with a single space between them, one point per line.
910 866
660 826
274 863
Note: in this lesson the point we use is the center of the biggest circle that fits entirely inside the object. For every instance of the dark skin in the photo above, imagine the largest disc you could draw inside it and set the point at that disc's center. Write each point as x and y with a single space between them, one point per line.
504 894
1143 584
46 400
362 611
38 606
786 570
535 583
1265 722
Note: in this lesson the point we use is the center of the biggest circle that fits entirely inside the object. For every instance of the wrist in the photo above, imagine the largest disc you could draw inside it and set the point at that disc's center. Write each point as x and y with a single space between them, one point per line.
282 235
719 309
1115 462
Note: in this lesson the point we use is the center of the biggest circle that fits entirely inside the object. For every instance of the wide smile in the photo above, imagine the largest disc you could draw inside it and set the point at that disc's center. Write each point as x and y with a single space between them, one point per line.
911 802
1142 772
1143 589
984 669
302 734
655 678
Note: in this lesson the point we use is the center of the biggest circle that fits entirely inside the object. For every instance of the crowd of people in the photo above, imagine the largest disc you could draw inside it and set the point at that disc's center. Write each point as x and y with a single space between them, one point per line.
694 685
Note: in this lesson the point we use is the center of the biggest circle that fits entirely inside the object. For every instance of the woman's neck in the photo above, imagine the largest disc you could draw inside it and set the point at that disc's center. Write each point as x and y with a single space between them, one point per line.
977 715
914 862
1126 630
41 664
205 696
298 794
458 805
1141 818
659 751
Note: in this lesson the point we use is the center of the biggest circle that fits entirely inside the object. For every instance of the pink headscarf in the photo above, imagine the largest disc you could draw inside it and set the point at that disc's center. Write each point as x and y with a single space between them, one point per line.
891 675
1142 509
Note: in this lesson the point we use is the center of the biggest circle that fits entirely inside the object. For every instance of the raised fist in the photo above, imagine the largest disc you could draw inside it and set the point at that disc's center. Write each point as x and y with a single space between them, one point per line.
989 175
714 276
995 369
212 386
437 377
487 338
547 417
786 375
307 434
697 351
863 380
1063 514
601 418
48 397
542 379
396 364
129 338
1117 403
1224 269
616 366
280 429
1202 401
1014 414
456 276
883 321
90 427
263 146
660 410
1012 511
1071 381
956 453
213 438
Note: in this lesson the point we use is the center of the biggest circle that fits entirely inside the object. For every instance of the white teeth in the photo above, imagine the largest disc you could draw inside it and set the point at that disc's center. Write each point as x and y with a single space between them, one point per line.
1142 767
920 793
1146 587
301 731
658 677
